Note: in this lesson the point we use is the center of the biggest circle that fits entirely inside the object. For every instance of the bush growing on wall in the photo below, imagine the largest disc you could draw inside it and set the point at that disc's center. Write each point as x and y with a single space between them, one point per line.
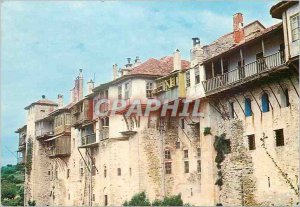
140 199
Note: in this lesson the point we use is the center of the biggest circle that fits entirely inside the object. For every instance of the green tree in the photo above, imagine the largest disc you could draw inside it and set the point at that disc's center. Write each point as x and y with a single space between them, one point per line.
8 190
139 199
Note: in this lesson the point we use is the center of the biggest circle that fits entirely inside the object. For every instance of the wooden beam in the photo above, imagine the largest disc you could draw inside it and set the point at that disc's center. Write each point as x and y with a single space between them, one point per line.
294 86
263 47
217 110
222 68
255 101
239 104
242 58
274 95
213 69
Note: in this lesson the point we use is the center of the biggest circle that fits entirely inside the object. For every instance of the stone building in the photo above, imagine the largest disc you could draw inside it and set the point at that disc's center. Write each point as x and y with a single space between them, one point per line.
241 150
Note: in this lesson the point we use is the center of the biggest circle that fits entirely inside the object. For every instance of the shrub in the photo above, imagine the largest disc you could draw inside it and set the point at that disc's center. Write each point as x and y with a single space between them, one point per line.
139 199
174 200
8 190
207 131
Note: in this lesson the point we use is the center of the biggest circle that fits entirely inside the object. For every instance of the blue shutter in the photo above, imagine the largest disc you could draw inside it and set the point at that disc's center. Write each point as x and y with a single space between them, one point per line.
248 111
265 102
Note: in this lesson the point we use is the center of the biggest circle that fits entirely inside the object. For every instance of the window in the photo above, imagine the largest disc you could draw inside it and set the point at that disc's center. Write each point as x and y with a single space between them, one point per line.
187 79
167 154
149 88
295 27
93 197
285 99
198 166
127 90
68 119
197 76
177 145
231 110
186 167
49 172
120 92
186 153
279 137
248 109
168 167
251 142
130 171
119 171
198 152
265 102
182 123
81 171
228 146
105 200
68 173
69 196
105 171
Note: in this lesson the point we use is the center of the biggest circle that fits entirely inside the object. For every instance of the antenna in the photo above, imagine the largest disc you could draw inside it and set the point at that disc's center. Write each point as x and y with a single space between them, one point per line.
11 152
94 77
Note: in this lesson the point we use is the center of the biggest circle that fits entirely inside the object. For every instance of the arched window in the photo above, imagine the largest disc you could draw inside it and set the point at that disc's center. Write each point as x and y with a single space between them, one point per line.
285 99
248 109
265 104
167 154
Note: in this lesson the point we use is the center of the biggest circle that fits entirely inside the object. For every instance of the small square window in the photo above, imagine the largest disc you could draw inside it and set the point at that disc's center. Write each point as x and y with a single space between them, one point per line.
186 167
168 168
81 171
186 153
198 166
279 137
119 171
187 79
197 76
167 154
251 142
198 152
68 173
228 145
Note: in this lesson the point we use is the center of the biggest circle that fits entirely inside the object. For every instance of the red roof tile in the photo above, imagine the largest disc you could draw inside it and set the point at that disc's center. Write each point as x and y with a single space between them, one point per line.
158 67
42 102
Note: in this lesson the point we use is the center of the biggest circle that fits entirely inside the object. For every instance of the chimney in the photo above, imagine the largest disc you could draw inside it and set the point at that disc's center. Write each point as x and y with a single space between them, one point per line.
115 71
128 65
43 96
90 87
238 28
80 89
176 60
137 61
72 98
196 41
60 101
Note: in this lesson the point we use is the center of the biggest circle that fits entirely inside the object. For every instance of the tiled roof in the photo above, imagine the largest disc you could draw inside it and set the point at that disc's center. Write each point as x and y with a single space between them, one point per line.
247 40
42 102
161 67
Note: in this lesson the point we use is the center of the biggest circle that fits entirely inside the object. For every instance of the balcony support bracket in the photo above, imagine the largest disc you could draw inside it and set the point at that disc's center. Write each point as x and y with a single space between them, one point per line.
274 95
88 167
255 102
294 86
239 104
212 105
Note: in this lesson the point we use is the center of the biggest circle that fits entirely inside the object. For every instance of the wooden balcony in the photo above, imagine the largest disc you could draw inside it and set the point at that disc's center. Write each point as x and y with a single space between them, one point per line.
42 133
59 146
247 72
88 140
104 133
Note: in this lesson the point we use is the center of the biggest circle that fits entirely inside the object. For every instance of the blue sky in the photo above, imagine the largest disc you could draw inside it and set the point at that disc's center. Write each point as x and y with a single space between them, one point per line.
45 43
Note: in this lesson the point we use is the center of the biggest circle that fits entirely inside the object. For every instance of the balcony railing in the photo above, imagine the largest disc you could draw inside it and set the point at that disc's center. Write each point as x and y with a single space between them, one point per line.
248 70
88 139
42 132
104 133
